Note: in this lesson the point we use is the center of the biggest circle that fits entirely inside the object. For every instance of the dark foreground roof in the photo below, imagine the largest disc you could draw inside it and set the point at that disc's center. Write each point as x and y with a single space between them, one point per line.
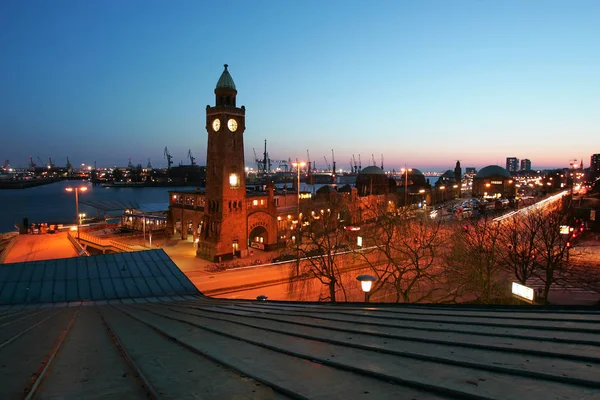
110 276
199 347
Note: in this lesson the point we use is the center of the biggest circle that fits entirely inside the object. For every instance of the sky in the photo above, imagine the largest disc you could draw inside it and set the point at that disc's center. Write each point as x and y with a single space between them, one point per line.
423 82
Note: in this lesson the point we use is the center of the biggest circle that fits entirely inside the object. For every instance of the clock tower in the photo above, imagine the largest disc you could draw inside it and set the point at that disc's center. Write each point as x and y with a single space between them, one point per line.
225 232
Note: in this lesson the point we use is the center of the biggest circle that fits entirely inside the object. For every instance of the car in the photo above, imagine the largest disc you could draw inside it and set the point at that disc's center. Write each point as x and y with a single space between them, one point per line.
284 257
342 247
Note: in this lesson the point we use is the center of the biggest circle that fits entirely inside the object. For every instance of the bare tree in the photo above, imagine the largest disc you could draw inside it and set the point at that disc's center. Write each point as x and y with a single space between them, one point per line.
519 243
473 262
405 258
319 236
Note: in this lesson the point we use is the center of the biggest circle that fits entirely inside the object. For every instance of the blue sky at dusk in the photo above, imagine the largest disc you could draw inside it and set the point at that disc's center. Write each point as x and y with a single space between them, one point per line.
423 82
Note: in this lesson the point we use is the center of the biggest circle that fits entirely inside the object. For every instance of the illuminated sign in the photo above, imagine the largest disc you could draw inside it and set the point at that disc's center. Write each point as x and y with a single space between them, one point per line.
496 182
522 292
305 195
564 229
359 241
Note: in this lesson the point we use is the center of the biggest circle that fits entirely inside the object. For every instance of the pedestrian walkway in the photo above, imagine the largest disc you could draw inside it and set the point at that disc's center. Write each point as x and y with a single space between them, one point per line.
41 247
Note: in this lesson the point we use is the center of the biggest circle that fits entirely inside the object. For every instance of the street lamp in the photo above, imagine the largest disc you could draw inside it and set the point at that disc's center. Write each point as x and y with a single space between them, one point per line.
298 165
366 282
77 215
405 171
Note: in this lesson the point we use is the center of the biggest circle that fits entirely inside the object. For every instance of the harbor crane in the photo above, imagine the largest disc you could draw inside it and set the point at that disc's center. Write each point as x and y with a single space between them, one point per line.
382 161
130 165
373 158
308 162
31 163
149 166
359 163
41 162
355 165
333 161
169 158
327 164
191 157
50 162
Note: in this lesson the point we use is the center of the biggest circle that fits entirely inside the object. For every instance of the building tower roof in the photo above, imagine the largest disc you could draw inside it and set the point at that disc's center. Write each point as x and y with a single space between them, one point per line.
493 171
225 81
371 170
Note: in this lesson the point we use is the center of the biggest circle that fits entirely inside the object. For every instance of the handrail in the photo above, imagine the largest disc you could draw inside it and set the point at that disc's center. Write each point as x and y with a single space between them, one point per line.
106 242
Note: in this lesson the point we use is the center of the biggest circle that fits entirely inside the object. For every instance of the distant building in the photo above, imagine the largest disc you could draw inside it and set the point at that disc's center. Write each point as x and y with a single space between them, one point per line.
526 165
512 164
595 165
470 171
493 182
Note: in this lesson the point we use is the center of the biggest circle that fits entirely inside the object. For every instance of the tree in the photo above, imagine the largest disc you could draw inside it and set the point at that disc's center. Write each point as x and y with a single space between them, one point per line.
405 256
519 241
473 262
320 237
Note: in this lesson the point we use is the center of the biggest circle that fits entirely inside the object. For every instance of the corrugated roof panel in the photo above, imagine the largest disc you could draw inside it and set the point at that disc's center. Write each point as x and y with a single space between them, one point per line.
83 286
60 291
47 292
121 276
97 292
15 272
33 294
20 294
92 269
132 288
166 287
154 286
108 288
72 290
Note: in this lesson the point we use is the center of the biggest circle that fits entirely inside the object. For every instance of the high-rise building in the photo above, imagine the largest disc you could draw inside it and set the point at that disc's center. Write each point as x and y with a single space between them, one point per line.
595 165
526 165
512 164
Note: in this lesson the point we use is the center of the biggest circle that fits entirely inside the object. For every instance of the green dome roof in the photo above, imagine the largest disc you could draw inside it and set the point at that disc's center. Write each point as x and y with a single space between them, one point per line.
492 171
225 81
372 170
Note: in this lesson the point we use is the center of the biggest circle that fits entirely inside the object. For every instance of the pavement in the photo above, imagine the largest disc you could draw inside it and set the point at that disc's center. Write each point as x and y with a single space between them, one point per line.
41 247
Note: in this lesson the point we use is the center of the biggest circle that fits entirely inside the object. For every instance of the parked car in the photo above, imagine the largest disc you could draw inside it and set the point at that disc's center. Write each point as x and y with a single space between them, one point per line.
284 257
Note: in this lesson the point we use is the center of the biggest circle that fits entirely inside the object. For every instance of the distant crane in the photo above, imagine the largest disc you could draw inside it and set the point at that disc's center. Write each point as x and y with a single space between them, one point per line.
573 163
31 163
355 165
359 163
191 157
149 166
50 162
382 161
130 165
326 163
69 166
333 161
169 158
373 158
41 162
308 162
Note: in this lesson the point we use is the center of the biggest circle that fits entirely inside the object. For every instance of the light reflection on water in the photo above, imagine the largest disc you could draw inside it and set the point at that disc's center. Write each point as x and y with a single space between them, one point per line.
53 204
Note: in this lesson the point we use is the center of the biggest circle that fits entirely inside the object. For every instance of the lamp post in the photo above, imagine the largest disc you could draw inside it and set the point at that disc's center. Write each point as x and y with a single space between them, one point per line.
405 171
366 282
298 165
77 215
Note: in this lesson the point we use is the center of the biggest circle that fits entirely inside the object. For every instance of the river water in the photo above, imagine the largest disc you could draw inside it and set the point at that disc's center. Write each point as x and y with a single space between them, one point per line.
53 204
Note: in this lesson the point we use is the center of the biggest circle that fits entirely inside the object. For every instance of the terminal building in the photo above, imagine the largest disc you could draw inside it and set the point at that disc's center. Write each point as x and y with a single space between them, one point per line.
226 219
493 182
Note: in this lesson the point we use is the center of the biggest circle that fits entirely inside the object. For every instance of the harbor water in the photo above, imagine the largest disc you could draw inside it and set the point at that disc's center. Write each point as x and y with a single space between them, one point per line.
52 204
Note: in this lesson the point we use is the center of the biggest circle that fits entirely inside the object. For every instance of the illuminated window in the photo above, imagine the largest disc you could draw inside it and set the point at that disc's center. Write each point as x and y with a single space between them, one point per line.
255 202
234 181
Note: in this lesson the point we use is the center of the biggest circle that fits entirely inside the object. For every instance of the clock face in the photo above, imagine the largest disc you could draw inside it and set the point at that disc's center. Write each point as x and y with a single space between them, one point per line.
232 125
216 125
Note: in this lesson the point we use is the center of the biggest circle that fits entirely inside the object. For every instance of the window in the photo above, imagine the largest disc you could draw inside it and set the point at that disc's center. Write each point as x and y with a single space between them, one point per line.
234 180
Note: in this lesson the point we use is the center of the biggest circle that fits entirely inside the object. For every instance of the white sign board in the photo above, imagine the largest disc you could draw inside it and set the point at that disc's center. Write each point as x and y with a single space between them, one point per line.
522 292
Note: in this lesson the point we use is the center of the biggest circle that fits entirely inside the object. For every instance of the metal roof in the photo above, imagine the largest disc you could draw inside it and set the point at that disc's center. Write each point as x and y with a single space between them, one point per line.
222 349
110 276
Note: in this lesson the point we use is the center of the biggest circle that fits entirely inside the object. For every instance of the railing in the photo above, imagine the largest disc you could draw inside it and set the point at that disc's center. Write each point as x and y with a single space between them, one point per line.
106 242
